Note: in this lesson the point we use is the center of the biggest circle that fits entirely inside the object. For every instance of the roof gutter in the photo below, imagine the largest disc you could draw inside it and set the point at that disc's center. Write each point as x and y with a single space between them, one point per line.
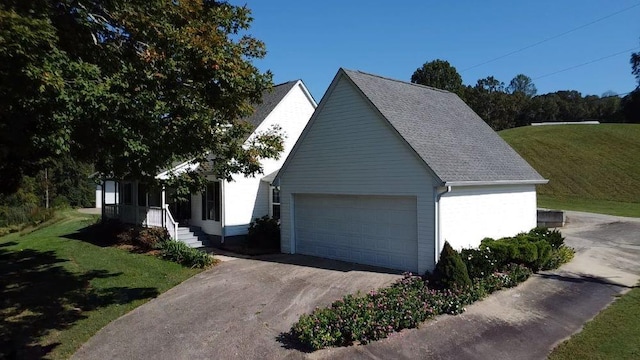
496 182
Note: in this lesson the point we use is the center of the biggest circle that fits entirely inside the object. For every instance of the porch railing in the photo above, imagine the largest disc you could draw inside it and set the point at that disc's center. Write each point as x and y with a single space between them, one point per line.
142 215
169 223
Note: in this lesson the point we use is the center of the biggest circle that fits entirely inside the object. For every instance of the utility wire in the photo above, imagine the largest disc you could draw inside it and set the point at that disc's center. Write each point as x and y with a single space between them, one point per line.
552 37
586 63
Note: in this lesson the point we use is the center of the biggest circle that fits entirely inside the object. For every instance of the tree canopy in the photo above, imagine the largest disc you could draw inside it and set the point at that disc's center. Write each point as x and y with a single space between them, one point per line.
130 86
518 104
522 84
438 74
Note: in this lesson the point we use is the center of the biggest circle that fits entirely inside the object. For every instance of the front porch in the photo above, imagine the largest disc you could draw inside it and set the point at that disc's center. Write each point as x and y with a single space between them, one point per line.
135 203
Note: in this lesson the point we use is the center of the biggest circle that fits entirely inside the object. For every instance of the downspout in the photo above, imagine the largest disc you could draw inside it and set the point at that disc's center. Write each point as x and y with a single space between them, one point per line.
447 189
222 212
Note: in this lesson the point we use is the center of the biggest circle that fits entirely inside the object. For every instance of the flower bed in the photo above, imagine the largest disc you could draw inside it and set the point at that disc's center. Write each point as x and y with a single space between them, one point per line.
413 299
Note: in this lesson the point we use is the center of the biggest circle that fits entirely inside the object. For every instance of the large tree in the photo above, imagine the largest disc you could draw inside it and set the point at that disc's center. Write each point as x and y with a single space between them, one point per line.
438 74
522 84
129 85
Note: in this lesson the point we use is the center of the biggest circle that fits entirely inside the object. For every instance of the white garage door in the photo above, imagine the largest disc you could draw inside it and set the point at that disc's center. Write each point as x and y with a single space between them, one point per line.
372 230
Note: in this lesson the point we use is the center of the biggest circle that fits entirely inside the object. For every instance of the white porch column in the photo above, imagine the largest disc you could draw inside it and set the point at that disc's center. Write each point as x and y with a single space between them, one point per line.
103 196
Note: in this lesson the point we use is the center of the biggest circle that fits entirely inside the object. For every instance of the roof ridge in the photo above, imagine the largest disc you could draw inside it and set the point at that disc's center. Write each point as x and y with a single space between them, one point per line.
399 81
287 82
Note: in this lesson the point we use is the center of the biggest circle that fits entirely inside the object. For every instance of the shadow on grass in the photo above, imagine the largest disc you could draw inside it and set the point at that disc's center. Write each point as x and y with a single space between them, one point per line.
38 295
99 234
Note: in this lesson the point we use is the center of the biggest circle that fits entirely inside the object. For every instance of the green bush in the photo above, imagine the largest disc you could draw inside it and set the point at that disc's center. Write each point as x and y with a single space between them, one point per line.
521 249
559 256
450 270
179 252
553 237
479 262
264 232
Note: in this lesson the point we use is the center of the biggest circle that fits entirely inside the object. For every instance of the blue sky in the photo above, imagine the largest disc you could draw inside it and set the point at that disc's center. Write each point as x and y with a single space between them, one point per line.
311 40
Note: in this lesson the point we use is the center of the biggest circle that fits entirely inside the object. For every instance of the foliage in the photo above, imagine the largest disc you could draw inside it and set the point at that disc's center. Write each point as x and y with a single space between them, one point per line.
58 289
264 232
539 249
403 305
559 256
522 84
479 262
450 270
129 86
179 252
438 74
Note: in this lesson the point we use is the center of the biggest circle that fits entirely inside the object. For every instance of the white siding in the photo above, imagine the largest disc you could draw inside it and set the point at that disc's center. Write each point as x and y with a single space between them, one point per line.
247 197
350 149
469 214
208 226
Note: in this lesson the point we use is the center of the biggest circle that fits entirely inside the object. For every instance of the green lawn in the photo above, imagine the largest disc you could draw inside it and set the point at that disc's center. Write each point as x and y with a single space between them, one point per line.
59 286
594 168
618 208
613 334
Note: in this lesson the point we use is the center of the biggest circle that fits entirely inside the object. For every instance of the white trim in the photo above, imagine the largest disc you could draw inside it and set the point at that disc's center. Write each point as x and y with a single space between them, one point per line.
178 169
496 182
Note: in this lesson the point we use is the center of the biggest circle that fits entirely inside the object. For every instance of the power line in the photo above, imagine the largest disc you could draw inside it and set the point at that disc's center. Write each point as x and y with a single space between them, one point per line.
586 63
552 37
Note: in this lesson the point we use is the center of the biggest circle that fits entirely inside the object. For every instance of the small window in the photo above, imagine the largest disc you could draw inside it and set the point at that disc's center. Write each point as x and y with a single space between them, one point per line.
275 203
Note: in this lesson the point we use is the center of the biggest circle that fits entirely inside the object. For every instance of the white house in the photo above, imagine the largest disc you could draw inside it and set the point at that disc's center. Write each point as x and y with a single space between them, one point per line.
223 211
386 171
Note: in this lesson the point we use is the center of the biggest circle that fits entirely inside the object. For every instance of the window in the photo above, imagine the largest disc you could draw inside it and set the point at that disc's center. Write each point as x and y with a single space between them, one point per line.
275 203
211 202
127 194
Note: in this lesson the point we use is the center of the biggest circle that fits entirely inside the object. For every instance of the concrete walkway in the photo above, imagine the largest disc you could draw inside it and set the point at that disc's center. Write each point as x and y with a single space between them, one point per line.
236 310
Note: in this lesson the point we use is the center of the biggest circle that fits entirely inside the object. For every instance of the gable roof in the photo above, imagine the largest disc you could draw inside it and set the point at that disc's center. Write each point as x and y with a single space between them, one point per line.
445 132
270 99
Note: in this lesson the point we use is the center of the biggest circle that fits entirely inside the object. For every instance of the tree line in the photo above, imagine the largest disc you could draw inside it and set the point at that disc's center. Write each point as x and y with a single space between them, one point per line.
505 106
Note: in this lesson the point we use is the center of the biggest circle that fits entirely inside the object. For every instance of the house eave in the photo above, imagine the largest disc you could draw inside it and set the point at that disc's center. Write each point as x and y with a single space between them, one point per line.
496 182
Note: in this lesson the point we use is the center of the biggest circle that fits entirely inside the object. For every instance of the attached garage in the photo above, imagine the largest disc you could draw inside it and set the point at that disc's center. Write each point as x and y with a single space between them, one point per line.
372 230
386 171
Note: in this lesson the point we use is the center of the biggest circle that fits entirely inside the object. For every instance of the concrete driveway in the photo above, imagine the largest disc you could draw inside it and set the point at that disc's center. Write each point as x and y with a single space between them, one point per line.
237 309
234 311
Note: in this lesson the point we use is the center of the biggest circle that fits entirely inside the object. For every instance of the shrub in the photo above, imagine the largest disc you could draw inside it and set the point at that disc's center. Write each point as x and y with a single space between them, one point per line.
450 270
181 253
559 256
553 237
264 232
479 262
521 249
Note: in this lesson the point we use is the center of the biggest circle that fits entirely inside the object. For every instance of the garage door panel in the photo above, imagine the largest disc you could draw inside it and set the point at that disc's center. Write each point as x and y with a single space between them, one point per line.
373 230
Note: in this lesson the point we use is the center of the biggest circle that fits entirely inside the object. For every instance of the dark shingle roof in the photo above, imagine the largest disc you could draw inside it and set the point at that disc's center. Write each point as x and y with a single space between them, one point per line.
270 98
451 139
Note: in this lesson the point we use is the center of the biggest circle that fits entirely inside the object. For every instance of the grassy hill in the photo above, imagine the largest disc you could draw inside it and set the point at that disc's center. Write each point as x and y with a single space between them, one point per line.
593 168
